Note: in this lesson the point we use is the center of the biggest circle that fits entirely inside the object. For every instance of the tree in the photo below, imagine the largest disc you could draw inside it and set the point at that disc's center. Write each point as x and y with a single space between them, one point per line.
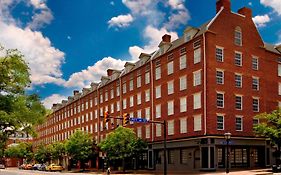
58 151
270 127
19 112
43 154
80 147
22 150
122 143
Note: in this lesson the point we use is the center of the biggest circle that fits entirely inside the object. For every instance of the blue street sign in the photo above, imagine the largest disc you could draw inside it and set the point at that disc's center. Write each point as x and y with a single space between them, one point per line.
139 120
224 142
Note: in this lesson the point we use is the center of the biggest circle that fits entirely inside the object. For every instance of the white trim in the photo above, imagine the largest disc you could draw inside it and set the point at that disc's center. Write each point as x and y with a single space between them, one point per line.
239 14
212 21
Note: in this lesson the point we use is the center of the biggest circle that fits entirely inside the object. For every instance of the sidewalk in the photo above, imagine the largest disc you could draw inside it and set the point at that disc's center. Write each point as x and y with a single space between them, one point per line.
220 172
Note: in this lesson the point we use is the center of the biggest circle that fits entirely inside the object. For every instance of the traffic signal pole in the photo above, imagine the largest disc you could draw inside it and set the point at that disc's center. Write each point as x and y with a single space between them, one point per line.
165 147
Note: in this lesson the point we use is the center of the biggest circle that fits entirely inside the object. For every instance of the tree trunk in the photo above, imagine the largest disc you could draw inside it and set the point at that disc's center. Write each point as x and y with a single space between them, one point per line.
278 154
123 165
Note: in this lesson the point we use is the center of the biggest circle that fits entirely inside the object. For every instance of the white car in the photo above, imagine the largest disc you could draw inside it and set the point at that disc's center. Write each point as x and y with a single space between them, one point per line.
2 166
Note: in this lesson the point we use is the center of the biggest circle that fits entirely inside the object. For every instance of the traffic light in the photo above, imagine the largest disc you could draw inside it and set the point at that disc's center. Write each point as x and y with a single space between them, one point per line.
126 118
106 117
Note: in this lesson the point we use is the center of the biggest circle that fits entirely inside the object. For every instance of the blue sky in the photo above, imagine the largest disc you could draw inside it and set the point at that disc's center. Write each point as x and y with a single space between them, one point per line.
69 44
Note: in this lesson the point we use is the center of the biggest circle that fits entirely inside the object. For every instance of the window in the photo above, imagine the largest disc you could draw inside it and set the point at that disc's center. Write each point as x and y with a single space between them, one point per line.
117 91
147 131
197 122
158 91
131 101
171 156
117 106
112 108
170 107
219 54
183 125
256 121
220 122
238 36
238 102
197 78
131 85
171 124
158 130
197 100
238 59
255 83
147 78
158 73
170 67
239 123
111 94
138 98
256 106
255 63
124 88
220 100
147 113
147 95
220 77
158 111
124 103
279 88
139 114
182 62
183 104
197 55
101 99
170 87
238 80
139 132
279 70
139 81
182 83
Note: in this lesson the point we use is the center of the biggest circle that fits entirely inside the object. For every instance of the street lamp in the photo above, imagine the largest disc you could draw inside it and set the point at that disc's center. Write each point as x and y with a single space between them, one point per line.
227 137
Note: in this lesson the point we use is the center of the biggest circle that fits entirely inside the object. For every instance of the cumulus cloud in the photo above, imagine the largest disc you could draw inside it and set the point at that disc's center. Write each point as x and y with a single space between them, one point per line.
55 98
261 20
93 73
154 37
120 21
275 4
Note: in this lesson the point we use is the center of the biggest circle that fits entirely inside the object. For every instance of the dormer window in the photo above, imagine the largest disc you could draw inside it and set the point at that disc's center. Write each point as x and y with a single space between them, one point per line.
238 36
187 37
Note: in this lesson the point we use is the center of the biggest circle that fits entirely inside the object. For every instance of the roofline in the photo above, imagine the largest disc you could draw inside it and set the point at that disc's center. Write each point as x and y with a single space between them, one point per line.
213 20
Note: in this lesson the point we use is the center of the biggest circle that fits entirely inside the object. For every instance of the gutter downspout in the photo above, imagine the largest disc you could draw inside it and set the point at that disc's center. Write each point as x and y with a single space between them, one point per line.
205 87
98 105
152 100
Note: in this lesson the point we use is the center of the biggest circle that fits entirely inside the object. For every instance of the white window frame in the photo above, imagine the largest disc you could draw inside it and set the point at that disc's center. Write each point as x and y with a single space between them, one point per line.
170 107
241 96
171 127
170 87
182 62
220 100
183 104
236 58
219 79
241 117
170 67
158 73
219 56
131 101
147 95
197 78
197 55
220 115
197 102
236 81
197 119
257 105
183 83
139 98
147 77
158 111
183 125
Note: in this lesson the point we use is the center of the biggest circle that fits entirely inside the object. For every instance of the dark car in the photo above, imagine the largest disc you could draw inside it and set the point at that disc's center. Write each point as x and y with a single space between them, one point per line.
36 166
276 168
42 167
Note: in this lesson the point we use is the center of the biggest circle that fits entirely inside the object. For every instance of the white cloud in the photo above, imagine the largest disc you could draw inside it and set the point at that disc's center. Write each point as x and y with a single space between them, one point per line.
275 4
177 4
44 60
55 98
261 20
94 73
40 19
154 37
120 21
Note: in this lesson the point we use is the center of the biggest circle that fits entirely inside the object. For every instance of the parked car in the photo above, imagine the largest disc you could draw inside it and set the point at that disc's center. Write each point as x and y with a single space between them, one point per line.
27 167
2 166
54 167
36 166
42 167
276 168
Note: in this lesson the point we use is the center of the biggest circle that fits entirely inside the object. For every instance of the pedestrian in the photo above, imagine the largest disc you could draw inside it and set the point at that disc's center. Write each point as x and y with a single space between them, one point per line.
108 171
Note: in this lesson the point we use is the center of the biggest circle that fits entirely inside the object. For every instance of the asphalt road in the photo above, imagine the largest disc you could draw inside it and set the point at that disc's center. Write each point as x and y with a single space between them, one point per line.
15 171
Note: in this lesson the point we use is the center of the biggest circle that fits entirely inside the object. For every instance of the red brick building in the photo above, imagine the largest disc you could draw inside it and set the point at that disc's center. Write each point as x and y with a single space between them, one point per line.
212 80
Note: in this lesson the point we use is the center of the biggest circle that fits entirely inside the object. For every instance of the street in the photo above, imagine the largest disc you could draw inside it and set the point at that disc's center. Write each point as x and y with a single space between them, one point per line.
15 171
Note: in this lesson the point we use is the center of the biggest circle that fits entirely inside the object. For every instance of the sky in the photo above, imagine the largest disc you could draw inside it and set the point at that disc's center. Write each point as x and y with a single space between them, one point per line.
68 43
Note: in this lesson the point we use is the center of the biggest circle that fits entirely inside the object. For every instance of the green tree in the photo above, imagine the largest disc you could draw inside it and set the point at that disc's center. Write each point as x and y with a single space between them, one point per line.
270 127
122 143
80 147
19 112
23 150
43 154
58 151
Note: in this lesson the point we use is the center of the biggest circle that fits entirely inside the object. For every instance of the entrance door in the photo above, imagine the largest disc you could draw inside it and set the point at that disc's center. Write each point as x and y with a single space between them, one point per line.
197 159
150 159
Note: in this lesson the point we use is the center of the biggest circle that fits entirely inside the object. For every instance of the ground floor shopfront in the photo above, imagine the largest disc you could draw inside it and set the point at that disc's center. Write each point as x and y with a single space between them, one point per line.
209 153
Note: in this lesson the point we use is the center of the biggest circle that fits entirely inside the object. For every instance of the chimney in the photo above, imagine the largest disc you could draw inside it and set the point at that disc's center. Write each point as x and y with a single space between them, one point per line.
75 92
166 38
246 12
226 4
109 72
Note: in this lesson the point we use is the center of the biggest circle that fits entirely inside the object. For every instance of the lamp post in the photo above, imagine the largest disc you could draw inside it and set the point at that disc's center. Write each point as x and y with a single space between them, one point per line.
227 137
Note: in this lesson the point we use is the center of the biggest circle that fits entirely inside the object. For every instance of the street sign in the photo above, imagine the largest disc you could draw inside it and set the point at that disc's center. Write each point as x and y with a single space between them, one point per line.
139 120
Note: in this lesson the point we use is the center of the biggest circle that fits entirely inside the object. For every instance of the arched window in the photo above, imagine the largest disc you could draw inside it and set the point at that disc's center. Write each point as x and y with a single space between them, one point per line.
238 36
